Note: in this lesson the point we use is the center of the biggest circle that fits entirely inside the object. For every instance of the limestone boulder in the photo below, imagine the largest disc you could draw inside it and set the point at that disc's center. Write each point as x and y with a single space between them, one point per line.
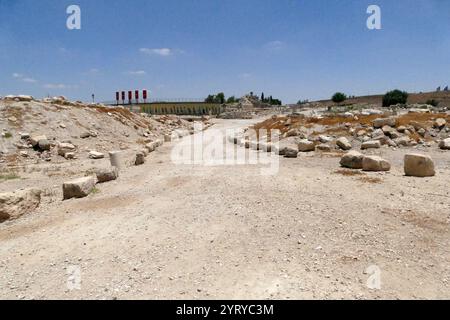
306 146
291 152
373 144
15 204
323 148
140 159
352 160
374 163
34 140
79 188
64 148
96 155
106 175
381 122
445 144
343 143
418 165
440 123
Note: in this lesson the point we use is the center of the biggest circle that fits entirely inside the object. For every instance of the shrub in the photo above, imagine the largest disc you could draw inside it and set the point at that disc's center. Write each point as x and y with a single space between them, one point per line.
395 97
339 97
433 102
9 176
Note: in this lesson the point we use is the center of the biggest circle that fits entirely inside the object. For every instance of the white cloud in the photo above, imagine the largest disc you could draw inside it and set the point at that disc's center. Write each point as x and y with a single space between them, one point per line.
163 52
137 73
54 86
59 86
23 78
29 80
245 75
274 45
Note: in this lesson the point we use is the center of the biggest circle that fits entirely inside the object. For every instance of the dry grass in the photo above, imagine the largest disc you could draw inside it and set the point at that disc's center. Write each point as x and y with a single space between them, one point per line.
124 113
368 179
9 176
363 177
16 112
424 120
349 173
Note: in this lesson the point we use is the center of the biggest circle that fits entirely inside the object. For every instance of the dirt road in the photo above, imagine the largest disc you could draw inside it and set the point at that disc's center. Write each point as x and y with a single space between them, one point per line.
174 231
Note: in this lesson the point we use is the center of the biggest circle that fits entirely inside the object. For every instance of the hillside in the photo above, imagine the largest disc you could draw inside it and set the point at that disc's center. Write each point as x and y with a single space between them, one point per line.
442 97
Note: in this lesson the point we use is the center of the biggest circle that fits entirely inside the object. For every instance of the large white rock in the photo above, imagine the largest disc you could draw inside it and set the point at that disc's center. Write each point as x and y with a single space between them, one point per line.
64 148
306 146
418 165
105 175
440 123
23 98
374 144
78 188
381 122
445 144
343 143
15 204
151 146
34 140
291 152
374 163
403 141
96 155
352 160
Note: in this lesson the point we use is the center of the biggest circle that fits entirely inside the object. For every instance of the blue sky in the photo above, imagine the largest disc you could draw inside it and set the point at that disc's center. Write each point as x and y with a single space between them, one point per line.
292 49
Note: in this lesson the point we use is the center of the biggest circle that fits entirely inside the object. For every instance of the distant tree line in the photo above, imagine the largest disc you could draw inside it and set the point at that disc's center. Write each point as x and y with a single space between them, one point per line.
270 100
220 98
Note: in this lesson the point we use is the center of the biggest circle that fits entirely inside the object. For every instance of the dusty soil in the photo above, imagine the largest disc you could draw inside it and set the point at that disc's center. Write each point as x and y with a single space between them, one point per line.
170 231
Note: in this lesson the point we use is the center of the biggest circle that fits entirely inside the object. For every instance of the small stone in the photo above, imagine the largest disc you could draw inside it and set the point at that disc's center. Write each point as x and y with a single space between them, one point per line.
343 143
140 159
374 144
96 155
440 123
323 148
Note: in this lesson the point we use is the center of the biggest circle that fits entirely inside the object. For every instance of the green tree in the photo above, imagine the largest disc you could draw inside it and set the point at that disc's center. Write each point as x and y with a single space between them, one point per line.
262 97
232 99
339 97
395 97
210 99
220 98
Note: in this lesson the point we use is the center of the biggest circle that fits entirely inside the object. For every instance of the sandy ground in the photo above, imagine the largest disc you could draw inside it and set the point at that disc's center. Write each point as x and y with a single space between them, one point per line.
171 231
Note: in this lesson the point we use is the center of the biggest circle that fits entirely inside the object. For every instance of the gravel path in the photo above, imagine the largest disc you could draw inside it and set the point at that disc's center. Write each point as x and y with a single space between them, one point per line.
171 231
